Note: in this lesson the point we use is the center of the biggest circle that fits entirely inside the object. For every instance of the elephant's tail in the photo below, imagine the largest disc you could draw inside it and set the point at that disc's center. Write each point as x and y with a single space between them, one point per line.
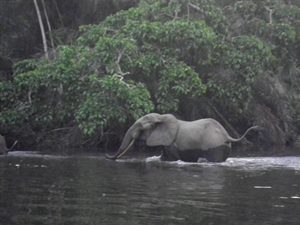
230 139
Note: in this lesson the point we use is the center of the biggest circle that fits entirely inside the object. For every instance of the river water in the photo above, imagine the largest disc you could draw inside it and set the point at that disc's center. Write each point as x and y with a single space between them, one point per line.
84 189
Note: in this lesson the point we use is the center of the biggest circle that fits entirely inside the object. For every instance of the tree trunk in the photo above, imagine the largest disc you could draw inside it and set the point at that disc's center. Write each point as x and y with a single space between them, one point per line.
42 28
48 24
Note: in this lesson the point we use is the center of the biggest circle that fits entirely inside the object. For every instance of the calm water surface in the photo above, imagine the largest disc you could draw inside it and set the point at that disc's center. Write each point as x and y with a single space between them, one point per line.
46 189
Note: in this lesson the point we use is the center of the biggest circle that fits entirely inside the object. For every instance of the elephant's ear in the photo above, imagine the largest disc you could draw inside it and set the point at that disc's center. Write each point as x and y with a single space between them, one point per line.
164 132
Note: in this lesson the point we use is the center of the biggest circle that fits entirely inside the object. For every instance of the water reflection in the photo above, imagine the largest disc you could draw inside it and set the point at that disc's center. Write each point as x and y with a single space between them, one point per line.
47 189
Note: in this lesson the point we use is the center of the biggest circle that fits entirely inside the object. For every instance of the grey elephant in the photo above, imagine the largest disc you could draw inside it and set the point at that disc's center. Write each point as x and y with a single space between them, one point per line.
3 149
181 140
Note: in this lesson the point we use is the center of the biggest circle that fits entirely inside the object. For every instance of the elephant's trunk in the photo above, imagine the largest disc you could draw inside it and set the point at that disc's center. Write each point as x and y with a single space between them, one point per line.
121 151
127 143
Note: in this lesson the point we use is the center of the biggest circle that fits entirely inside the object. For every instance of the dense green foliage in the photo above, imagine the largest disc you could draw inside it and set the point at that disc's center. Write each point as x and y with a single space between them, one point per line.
238 64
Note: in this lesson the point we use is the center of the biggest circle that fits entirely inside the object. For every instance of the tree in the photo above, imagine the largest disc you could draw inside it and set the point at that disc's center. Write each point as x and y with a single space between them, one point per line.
192 59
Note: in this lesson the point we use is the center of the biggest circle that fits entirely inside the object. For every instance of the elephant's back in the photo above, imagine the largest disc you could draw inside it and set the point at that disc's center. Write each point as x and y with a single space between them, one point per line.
201 134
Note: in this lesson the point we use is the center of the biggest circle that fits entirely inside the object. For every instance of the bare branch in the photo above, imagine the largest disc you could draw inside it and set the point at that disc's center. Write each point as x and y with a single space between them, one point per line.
42 28
271 9
59 129
128 57
188 11
48 23
29 97
118 60
196 7
121 78
59 14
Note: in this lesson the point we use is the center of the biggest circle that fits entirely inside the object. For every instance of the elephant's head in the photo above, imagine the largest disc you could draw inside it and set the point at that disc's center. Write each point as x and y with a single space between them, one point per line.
154 128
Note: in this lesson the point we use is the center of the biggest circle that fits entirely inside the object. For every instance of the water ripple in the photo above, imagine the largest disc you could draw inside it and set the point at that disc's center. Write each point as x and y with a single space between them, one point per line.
264 163
250 163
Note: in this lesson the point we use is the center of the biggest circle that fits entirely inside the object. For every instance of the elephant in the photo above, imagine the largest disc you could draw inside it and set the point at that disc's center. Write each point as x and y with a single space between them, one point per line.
187 141
3 149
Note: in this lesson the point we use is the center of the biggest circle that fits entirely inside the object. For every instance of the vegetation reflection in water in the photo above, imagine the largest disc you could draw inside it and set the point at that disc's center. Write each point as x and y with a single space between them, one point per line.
41 189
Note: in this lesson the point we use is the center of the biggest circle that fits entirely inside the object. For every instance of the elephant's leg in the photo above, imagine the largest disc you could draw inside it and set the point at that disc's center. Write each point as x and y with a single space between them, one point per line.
170 153
191 155
218 154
